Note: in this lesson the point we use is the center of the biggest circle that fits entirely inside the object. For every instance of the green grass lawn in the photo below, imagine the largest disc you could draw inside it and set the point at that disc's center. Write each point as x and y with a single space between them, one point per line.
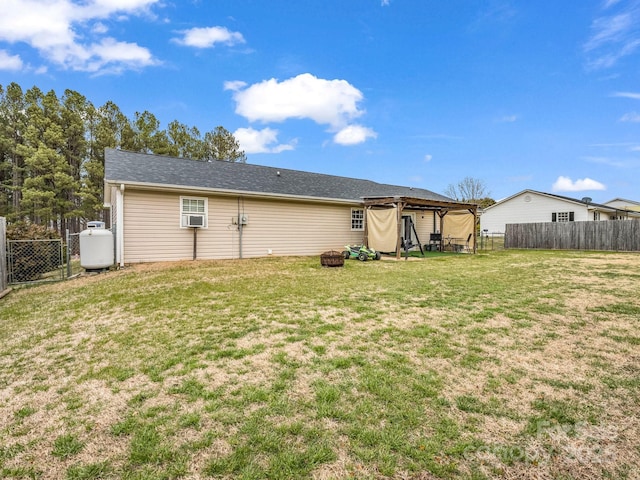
506 364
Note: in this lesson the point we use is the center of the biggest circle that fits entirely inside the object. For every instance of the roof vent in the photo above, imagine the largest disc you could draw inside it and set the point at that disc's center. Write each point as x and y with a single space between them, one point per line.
278 173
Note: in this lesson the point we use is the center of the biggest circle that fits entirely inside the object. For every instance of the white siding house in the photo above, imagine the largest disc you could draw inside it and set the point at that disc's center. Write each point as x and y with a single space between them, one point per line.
624 204
530 206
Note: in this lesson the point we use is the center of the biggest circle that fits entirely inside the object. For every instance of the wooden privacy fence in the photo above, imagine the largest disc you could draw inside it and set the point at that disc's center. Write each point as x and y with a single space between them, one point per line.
615 235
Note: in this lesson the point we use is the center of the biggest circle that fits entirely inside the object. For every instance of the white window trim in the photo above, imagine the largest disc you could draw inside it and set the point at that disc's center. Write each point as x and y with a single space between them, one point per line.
354 210
205 214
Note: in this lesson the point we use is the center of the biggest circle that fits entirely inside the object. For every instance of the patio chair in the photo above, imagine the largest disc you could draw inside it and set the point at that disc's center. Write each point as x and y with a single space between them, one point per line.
435 241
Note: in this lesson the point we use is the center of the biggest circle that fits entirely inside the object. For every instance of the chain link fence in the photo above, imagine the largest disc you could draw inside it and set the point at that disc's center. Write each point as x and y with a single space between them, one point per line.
491 241
35 261
72 255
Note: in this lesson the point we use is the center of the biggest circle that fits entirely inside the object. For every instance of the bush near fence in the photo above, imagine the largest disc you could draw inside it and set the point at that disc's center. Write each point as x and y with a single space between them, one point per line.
32 251
606 235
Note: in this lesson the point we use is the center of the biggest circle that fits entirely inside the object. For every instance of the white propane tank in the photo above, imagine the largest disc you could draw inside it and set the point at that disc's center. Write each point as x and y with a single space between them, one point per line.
96 247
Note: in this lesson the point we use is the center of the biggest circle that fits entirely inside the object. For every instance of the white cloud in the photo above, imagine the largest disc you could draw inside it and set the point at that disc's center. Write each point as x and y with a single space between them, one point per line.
59 29
630 117
565 184
609 161
353 135
208 37
10 62
99 28
261 141
234 85
326 102
631 95
508 119
427 158
614 36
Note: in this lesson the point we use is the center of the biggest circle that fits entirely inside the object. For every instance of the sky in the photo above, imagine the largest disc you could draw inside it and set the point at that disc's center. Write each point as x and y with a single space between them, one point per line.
518 94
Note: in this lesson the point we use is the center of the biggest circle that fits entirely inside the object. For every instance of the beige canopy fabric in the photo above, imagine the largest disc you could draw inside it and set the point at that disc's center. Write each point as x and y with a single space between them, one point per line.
383 229
458 226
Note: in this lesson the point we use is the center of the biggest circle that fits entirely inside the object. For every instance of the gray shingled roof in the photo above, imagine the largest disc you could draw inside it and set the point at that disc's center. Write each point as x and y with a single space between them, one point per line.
129 167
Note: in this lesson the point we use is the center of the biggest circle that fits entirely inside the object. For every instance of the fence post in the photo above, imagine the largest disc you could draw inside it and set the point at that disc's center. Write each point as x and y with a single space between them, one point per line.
68 259
4 277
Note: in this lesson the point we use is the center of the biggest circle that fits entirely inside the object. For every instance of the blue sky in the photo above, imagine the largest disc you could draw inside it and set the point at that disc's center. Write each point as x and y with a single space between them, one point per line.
521 94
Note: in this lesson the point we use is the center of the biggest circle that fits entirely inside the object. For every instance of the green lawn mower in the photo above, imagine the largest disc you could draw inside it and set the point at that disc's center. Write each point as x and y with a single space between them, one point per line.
361 252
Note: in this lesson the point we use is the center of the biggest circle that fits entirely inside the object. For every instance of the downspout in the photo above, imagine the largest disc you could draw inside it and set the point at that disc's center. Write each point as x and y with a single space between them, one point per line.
240 228
120 225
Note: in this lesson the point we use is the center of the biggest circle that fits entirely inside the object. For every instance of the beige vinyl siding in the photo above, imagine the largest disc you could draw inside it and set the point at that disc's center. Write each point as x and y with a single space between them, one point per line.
295 228
152 229
424 224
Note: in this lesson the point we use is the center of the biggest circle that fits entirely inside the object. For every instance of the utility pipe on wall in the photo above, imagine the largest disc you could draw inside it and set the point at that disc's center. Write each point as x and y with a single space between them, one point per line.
195 236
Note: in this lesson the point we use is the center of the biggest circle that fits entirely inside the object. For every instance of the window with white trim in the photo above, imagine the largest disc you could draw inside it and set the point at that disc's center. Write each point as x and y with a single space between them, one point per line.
193 212
562 217
357 219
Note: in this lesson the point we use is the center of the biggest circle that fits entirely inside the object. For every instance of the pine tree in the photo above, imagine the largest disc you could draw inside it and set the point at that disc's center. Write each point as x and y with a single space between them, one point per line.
13 121
220 144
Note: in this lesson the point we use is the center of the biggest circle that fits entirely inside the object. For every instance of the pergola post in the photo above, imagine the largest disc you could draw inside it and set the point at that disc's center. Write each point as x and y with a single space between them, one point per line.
399 207
441 214
475 228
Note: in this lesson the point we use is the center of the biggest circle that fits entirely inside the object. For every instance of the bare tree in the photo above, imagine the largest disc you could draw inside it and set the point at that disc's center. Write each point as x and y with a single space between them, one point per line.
469 189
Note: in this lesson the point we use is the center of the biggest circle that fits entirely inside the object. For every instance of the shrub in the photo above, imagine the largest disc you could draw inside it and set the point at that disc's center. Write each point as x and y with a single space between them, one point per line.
29 260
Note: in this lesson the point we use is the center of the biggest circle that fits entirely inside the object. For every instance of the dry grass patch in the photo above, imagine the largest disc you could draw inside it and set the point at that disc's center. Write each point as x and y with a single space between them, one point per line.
510 364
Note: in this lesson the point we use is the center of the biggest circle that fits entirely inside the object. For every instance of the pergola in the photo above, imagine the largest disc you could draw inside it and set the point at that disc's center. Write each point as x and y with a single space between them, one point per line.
439 207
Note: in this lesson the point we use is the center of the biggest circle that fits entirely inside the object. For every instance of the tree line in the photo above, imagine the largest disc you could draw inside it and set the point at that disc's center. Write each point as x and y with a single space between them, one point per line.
52 153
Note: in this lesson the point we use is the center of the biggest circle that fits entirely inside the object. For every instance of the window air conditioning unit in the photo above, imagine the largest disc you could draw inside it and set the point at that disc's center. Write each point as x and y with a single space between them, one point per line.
196 221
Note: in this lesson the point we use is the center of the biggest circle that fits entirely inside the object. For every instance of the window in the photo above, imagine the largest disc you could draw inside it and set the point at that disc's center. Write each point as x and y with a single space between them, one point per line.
562 217
357 219
193 212
596 216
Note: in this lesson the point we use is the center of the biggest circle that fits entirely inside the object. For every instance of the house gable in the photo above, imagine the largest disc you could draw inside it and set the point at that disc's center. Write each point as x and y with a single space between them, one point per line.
529 206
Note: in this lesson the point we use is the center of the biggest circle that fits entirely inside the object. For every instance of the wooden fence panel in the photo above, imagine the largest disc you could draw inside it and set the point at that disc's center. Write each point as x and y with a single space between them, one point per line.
614 235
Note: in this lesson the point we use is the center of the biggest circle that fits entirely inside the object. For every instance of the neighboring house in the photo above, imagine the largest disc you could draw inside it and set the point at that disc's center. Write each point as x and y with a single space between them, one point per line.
624 204
164 208
530 206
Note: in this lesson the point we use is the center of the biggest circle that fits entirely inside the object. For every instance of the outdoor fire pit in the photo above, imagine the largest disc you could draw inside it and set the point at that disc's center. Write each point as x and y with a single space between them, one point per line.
332 259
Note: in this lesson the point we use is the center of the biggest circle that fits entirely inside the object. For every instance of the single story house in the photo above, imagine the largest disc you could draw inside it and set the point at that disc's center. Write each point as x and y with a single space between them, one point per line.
530 206
624 204
164 208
